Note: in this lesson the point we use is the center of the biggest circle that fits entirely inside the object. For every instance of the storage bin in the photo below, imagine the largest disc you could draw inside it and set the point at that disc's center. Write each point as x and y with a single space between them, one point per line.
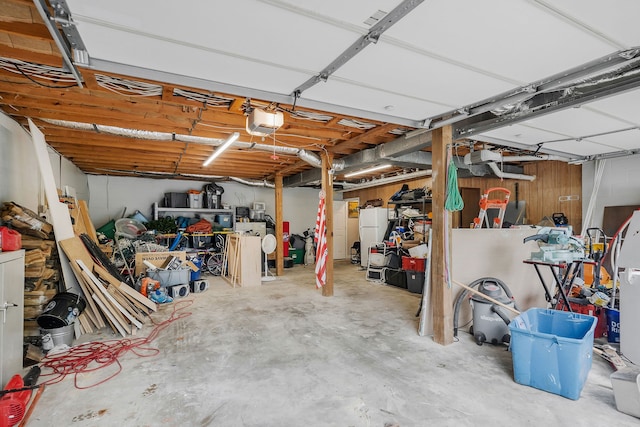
415 281
297 255
176 200
195 275
195 200
170 277
392 260
200 241
395 277
224 220
414 264
552 350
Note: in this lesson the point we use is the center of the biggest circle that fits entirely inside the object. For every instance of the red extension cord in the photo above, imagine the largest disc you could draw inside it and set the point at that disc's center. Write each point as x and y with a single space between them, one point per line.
94 356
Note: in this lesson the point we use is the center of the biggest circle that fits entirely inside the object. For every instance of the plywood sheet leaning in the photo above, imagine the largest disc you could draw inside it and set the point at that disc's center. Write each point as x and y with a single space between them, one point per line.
60 217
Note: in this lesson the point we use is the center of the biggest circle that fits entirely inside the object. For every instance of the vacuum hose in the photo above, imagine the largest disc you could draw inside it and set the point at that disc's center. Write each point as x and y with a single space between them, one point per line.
464 294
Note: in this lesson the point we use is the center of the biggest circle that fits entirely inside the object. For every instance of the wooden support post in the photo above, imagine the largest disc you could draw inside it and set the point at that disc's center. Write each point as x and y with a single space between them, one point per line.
279 228
441 294
327 186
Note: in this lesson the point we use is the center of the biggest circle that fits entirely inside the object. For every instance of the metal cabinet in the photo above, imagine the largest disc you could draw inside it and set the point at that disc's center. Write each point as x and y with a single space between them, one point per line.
12 311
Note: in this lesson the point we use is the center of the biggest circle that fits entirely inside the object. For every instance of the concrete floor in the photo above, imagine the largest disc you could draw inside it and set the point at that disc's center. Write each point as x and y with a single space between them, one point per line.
283 355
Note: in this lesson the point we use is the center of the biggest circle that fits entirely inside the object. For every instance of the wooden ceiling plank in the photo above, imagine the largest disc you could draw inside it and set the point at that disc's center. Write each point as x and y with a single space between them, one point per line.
360 139
16 12
51 59
32 30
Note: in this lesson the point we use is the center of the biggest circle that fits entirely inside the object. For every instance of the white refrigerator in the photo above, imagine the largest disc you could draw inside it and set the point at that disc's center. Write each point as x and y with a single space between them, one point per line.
373 225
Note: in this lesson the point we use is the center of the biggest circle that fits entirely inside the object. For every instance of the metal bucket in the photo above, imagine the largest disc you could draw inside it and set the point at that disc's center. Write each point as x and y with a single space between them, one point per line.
57 336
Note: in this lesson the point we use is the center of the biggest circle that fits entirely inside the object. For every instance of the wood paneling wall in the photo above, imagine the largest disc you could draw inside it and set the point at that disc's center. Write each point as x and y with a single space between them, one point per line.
547 194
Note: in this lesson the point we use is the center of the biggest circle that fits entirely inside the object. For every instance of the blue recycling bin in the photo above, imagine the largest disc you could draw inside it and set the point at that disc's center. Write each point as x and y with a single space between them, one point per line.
552 350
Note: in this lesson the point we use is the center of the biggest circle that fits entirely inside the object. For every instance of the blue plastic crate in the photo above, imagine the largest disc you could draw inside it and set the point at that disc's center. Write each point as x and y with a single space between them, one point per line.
552 350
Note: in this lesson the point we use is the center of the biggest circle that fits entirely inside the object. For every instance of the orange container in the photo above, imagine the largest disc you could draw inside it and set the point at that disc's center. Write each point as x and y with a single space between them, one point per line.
11 239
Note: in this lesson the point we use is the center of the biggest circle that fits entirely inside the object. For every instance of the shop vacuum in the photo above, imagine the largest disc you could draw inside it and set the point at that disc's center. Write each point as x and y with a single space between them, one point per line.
490 321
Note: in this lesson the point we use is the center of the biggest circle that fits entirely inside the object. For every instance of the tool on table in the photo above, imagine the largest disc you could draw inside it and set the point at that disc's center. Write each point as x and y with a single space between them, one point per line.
15 397
486 203
556 245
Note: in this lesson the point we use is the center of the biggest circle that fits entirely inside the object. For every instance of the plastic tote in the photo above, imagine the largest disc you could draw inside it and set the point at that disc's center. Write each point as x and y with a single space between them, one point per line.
552 350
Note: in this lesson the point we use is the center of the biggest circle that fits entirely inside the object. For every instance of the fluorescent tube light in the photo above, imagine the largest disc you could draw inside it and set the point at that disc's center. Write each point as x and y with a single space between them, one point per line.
232 138
373 169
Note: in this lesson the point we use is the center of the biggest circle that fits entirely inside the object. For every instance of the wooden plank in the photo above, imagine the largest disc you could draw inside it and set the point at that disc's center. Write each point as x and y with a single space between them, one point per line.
113 282
105 305
75 249
115 293
131 293
109 297
86 219
441 293
110 316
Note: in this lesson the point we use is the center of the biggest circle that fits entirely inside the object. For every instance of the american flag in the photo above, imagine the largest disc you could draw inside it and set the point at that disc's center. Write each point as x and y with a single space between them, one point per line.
320 237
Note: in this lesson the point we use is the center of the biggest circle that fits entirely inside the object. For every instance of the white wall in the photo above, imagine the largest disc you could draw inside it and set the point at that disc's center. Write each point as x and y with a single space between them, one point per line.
620 186
110 195
20 179
498 253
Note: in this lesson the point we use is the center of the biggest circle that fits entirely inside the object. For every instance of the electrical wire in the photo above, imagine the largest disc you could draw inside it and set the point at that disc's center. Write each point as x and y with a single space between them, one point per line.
128 87
98 355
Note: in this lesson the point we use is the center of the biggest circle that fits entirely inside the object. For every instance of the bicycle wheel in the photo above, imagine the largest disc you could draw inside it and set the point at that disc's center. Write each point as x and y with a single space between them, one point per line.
214 264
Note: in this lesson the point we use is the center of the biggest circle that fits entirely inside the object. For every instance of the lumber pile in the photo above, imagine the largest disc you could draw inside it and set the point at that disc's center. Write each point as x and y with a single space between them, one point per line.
41 261
110 302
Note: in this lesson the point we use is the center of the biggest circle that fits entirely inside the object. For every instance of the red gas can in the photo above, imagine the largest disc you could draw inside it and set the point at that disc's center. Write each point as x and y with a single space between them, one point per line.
11 239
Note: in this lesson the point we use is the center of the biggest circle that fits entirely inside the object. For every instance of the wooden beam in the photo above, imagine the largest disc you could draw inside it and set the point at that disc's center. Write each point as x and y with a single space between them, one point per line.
279 228
36 31
365 138
441 294
327 186
52 59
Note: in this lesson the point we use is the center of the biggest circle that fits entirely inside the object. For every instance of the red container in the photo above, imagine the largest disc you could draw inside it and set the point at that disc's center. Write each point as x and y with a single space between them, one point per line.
11 239
413 264
590 310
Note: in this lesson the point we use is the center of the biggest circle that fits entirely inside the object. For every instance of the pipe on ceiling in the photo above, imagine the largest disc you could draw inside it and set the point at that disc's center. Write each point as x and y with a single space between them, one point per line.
304 155
533 158
382 181
252 183
500 174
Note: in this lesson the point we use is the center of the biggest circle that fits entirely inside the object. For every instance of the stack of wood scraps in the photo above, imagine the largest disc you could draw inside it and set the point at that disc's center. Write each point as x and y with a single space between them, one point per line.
42 263
110 302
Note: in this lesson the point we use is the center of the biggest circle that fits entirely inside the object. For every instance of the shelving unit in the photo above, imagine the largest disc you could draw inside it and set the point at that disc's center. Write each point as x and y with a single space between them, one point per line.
157 209
424 204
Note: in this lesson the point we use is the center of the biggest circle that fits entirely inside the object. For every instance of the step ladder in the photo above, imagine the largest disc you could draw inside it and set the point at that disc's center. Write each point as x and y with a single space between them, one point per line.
487 203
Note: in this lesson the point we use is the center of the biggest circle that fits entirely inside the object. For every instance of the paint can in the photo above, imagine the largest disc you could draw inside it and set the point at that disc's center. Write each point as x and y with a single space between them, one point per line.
62 310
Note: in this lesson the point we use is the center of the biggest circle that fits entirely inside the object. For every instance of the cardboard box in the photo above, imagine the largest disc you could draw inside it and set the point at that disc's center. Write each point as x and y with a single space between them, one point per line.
156 258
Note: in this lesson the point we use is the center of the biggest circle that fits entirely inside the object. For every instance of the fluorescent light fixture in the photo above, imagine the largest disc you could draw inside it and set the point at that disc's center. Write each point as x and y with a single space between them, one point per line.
363 171
226 144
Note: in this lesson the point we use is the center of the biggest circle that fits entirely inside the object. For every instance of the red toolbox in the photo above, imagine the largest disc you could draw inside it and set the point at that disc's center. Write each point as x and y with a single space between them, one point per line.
414 264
